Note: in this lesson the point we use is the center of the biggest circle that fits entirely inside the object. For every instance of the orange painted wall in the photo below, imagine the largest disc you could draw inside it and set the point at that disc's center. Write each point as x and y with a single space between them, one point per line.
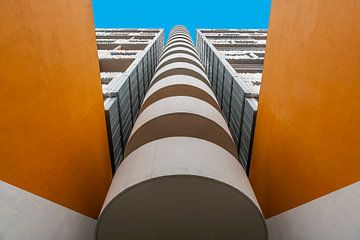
52 126
307 137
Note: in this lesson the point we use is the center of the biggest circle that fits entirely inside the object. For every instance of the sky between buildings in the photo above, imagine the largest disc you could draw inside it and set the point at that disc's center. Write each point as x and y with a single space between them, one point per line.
190 13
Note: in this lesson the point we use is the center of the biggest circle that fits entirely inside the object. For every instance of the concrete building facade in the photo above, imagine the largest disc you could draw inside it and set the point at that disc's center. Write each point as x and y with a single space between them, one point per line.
127 60
233 60
176 154
182 159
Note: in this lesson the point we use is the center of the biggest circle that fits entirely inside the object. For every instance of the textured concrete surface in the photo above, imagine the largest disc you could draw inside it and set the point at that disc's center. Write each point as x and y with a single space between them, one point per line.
334 216
233 62
180 188
128 81
307 141
53 139
24 215
180 178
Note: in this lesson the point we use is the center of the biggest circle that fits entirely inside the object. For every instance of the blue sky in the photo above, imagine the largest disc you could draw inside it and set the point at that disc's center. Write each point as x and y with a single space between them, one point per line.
191 13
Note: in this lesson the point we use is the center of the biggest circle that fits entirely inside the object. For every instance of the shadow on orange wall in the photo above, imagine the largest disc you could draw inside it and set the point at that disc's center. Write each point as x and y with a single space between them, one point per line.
307 136
53 135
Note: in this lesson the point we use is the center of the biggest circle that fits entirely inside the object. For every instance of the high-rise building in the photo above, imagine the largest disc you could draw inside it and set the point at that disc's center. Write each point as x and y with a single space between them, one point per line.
127 59
180 177
109 134
233 59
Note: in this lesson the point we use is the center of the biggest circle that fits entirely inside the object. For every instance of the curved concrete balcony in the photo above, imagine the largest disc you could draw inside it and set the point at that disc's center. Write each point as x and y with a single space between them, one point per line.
180 57
180 68
183 50
179 36
179 31
179 39
183 38
180 44
180 178
179 85
180 116
180 188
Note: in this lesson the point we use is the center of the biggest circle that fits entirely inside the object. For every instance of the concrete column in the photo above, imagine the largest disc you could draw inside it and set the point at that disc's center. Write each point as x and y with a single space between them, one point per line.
180 178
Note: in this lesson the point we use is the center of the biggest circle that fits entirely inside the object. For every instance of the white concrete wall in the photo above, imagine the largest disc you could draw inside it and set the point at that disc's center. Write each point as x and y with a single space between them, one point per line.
24 215
335 216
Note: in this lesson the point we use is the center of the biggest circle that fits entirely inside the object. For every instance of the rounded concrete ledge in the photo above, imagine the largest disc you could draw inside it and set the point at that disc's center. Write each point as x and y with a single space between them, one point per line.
179 50
179 30
179 85
179 36
179 40
173 34
196 191
182 40
179 44
180 57
180 68
186 37
180 116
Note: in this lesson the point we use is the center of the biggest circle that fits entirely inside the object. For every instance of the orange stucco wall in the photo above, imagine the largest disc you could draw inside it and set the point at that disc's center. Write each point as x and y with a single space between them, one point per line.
52 126
307 137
